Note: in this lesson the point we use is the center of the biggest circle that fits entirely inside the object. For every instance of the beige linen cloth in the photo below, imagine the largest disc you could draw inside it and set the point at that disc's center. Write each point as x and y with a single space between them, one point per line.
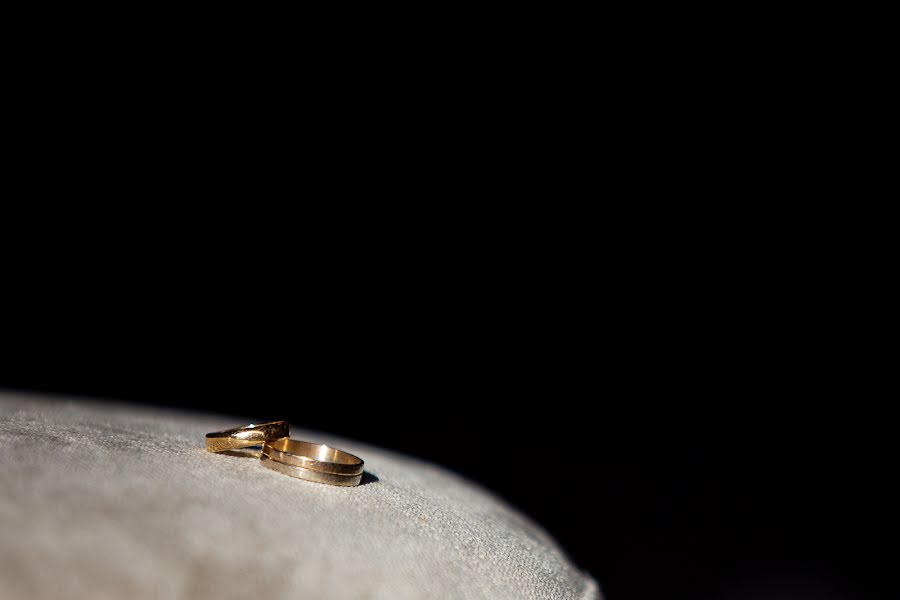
108 501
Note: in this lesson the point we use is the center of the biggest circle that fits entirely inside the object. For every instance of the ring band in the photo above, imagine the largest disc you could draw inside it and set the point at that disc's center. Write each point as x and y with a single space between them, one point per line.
315 457
242 437
309 474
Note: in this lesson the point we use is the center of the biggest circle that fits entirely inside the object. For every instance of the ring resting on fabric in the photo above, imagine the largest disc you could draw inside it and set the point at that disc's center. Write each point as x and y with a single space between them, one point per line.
315 457
309 474
243 437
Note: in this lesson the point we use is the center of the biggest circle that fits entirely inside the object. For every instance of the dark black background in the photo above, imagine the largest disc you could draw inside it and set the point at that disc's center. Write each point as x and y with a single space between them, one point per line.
678 440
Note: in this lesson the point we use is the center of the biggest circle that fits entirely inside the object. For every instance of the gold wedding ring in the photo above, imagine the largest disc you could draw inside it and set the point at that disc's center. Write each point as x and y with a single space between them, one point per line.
312 462
304 460
316 457
242 437
309 474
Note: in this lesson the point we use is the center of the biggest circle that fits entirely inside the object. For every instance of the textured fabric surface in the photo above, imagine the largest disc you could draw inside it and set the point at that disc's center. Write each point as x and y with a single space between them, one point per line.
105 501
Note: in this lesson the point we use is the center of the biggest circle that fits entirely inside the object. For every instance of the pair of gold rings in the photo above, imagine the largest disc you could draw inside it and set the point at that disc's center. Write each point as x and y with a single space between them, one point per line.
304 460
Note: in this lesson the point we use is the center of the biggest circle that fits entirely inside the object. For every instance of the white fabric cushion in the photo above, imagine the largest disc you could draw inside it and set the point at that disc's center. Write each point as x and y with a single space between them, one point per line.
100 501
